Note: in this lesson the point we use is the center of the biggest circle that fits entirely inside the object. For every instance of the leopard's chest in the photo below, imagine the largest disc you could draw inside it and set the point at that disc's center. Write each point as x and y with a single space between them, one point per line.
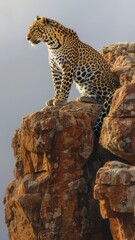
57 58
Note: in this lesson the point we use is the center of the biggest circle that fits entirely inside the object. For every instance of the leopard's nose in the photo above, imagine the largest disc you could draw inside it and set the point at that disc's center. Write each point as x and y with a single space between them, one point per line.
28 38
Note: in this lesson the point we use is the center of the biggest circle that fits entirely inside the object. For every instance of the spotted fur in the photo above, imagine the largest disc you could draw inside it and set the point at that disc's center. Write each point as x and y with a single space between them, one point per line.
72 60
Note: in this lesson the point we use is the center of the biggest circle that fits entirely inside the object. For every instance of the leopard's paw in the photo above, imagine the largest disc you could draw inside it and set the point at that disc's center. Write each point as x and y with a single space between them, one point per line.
49 102
90 99
59 102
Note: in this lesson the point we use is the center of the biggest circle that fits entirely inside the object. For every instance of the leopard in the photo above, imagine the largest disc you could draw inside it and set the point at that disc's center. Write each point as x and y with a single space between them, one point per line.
72 60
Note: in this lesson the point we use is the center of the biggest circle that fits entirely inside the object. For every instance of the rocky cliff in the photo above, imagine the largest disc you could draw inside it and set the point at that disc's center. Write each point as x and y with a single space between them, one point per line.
69 186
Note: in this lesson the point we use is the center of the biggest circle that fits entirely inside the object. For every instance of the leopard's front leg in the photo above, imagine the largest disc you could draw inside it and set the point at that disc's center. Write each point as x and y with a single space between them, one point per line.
63 67
66 82
56 77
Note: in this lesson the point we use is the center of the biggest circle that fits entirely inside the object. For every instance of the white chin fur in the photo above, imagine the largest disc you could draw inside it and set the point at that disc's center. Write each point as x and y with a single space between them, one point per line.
32 44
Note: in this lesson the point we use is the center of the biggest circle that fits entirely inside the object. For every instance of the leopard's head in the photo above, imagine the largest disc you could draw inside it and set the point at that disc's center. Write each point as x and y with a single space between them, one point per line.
38 31
49 31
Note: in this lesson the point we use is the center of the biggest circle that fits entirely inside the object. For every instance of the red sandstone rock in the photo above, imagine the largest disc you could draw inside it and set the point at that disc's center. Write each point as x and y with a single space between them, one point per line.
50 199
118 130
123 104
115 190
121 58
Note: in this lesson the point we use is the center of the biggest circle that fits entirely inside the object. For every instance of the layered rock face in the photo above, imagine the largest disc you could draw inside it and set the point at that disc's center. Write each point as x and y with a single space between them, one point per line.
118 129
121 58
51 197
115 188
57 158
115 181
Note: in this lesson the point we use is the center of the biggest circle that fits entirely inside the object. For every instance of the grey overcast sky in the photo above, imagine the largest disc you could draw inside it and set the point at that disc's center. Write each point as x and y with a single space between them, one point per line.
25 78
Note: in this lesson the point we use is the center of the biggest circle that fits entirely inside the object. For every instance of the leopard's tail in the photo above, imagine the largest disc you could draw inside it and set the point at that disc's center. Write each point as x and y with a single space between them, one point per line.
105 110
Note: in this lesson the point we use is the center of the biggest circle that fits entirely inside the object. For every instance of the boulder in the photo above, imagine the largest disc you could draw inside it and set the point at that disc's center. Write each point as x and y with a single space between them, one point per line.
115 190
118 129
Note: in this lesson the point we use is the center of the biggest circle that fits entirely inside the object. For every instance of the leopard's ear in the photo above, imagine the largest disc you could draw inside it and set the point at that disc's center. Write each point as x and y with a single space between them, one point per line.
38 18
45 20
